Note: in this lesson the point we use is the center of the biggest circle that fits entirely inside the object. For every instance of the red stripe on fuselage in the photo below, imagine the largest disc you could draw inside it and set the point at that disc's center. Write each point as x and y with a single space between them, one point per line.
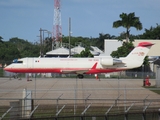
32 70
96 71
59 70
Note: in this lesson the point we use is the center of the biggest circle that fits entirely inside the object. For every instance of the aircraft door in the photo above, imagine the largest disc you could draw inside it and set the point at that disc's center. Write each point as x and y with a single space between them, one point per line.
30 63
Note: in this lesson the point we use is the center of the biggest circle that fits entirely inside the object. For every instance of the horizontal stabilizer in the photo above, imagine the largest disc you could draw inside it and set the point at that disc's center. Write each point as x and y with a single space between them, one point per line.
145 44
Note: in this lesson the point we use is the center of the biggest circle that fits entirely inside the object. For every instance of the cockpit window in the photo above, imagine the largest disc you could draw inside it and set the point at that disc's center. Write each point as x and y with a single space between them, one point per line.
17 61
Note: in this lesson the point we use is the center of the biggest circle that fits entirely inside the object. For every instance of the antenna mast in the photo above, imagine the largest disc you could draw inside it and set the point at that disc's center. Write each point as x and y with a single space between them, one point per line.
57 29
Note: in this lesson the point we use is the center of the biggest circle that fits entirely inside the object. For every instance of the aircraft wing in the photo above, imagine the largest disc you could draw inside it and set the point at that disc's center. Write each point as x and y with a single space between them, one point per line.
80 71
74 71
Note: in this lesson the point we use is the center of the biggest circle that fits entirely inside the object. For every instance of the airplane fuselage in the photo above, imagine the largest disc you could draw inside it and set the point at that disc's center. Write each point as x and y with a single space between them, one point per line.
64 65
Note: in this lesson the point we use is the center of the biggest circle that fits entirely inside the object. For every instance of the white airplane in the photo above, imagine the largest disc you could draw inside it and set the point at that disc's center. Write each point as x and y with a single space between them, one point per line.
81 66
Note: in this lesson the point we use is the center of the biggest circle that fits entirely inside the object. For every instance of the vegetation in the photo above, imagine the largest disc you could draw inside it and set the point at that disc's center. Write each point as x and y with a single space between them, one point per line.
124 50
152 33
153 89
17 48
84 53
128 21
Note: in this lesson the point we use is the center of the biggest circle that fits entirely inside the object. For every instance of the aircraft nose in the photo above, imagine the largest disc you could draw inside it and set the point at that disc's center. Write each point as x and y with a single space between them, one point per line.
6 68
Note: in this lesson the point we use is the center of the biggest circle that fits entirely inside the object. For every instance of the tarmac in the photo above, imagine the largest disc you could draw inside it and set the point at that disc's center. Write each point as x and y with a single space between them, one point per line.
46 90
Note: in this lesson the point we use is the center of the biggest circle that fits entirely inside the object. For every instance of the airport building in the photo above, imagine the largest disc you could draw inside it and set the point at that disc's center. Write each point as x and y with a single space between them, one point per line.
59 52
154 51
64 52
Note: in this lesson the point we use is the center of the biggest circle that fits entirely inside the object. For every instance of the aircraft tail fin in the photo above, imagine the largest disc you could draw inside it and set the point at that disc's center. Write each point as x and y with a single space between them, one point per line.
140 52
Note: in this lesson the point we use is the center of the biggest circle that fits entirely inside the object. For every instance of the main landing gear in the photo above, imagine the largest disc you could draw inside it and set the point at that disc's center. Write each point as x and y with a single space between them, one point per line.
15 76
80 76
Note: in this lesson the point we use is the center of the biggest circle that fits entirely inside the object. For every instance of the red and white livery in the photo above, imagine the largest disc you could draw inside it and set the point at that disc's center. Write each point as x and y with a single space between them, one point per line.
80 66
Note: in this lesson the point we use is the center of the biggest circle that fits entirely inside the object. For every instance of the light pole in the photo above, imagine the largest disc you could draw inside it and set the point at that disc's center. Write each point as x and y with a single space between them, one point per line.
69 37
42 41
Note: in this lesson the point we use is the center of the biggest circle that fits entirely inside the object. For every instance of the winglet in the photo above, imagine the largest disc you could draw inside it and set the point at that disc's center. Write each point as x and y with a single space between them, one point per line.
94 66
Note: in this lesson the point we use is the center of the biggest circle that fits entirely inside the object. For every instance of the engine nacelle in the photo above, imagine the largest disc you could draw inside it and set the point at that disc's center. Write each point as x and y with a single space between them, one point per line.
110 61
106 61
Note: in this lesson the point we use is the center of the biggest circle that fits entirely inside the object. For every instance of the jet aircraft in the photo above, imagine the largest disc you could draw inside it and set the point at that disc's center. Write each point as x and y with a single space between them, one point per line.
81 66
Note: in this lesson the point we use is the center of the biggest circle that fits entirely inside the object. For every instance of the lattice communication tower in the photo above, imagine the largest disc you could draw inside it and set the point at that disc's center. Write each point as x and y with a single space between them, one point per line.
57 29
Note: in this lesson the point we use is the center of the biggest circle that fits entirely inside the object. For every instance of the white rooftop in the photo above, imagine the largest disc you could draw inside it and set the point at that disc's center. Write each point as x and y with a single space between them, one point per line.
78 49
97 49
59 51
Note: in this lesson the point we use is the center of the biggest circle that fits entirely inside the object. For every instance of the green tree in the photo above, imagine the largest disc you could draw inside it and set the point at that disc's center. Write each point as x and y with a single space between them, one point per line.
127 21
8 52
84 53
25 48
99 42
124 50
152 33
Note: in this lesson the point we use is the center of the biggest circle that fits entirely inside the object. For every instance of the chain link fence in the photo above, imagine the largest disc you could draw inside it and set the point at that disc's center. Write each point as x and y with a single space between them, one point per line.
88 109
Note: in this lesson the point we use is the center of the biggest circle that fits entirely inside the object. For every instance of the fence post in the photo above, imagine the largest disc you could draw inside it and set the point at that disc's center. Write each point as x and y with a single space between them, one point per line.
106 117
144 111
81 117
126 115
106 114
6 113
117 99
126 112
158 114
57 102
144 115
144 101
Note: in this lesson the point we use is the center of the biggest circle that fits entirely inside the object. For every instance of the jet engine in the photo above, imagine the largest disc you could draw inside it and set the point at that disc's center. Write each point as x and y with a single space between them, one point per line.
109 61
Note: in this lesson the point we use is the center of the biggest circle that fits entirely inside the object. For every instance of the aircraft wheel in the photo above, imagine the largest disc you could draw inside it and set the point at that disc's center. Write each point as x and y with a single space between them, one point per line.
80 76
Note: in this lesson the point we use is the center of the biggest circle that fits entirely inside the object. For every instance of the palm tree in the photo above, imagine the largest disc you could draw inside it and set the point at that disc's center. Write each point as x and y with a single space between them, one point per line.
127 21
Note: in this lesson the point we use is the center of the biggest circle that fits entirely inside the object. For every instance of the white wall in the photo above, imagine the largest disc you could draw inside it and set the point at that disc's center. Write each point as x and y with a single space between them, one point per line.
154 51
111 45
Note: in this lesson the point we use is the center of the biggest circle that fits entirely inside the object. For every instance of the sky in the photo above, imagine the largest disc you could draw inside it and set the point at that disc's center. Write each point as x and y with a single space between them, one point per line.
24 18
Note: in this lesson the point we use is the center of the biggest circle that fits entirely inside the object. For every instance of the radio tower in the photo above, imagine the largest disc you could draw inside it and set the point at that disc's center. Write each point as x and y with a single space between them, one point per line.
57 29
